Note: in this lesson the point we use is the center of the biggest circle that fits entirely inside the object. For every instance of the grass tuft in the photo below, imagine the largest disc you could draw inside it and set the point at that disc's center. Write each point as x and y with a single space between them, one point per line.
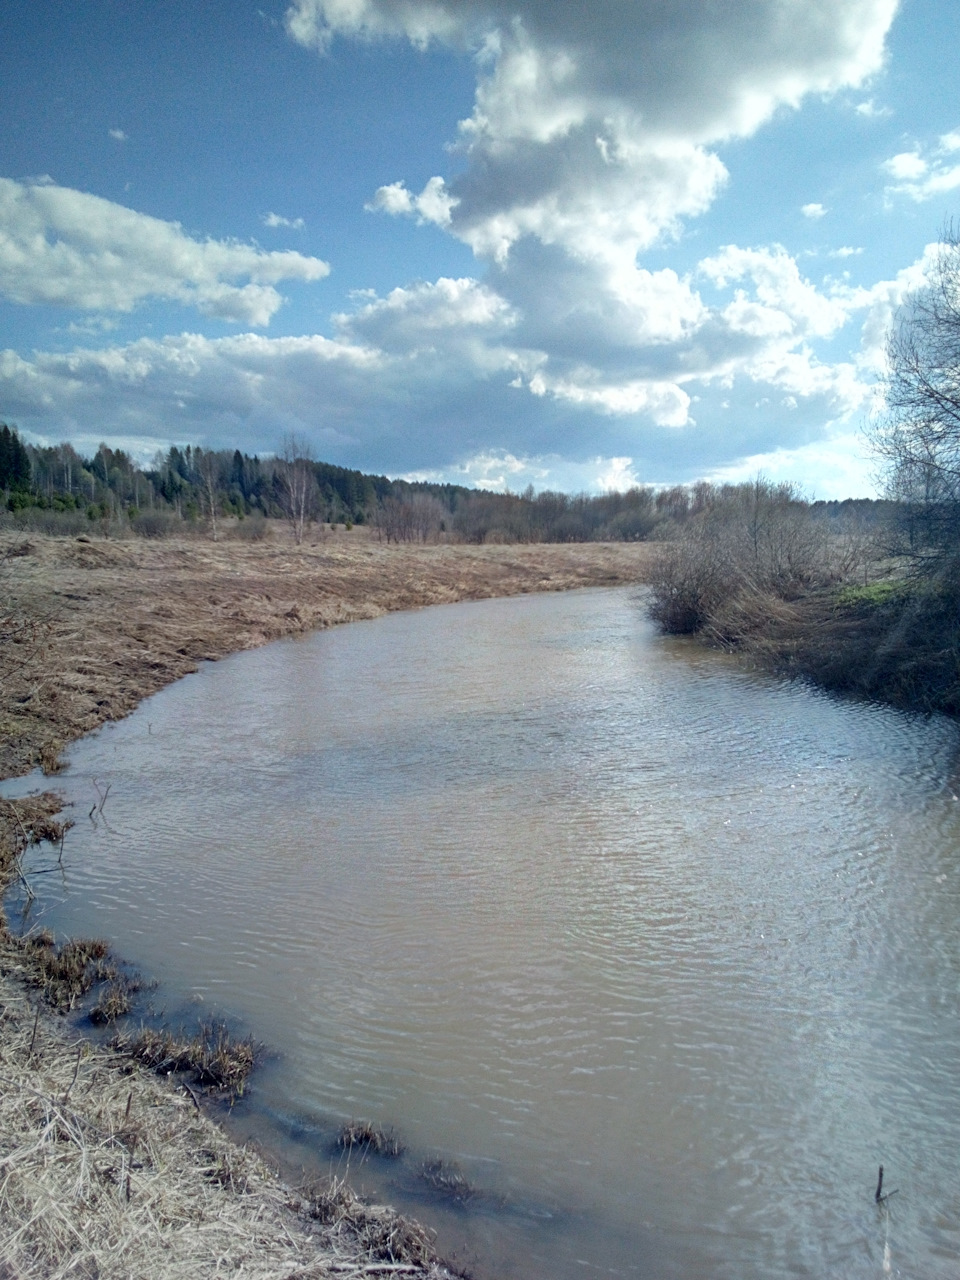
64 973
370 1139
446 1179
379 1233
213 1057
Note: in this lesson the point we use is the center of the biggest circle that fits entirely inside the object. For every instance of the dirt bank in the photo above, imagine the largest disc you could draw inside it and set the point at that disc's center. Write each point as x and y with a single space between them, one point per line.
90 628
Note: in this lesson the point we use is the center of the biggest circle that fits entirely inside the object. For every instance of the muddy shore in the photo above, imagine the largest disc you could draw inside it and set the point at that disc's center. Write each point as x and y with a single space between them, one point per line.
105 1169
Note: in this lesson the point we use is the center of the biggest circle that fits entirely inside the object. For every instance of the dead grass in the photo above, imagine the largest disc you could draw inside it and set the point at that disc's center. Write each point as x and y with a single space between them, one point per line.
446 1179
213 1058
377 1233
369 1138
116 1175
116 999
64 974
91 628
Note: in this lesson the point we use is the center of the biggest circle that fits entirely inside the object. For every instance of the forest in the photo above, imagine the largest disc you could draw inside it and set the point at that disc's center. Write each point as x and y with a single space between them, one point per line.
55 489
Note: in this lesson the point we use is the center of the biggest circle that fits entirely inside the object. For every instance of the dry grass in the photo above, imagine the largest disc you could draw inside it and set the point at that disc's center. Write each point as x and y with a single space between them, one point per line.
369 1138
116 999
446 1179
91 628
115 1175
378 1233
62 974
213 1058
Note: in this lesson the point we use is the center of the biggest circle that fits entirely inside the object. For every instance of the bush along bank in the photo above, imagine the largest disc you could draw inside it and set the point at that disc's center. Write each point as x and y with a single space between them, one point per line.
760 574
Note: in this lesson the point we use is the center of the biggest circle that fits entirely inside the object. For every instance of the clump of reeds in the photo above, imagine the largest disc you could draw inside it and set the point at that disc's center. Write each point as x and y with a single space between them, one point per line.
369 1138
116 999
378 1232
446 1179
213 1057
63 973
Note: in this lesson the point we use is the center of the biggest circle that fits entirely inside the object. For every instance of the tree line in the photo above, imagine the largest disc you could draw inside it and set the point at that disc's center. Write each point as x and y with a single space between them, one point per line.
191 487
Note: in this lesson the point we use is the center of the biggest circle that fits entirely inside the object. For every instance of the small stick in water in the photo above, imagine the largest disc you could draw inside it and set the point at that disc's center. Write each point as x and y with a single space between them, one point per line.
878 1195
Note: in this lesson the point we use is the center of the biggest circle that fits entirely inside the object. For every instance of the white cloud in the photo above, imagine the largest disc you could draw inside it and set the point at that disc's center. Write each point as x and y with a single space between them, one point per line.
433 204
906 167
278 220
118 135
783 301
845 251
813 211
67 248
592 139
921 177
500 470
837 466
592 124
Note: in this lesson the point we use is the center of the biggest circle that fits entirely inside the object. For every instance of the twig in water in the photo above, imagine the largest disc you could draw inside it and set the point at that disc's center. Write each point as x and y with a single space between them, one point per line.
23 878
23 830
878 1195
101 794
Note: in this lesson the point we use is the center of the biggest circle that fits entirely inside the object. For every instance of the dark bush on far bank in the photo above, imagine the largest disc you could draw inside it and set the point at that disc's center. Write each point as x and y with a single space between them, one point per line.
745 547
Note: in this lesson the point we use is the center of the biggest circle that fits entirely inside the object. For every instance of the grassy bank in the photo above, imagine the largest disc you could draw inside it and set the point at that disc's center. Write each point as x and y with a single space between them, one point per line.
106 1168
760 574
893 641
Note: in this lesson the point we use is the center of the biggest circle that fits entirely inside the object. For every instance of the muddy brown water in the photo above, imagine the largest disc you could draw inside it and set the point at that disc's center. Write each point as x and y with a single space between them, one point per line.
663 955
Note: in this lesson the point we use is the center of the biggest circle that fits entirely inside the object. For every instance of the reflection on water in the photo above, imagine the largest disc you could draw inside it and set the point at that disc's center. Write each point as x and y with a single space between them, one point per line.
665 956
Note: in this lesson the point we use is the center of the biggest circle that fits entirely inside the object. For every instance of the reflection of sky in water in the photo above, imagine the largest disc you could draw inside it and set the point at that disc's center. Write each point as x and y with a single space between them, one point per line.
664 946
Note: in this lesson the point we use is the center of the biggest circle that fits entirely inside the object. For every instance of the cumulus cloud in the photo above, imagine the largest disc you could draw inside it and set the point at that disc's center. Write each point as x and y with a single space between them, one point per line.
444 371
118 135
592 139
68 248
433 204
591 125
922 173
813 210
871 111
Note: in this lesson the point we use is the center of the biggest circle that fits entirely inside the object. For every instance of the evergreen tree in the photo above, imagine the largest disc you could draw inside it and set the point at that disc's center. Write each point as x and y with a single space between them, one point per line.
14 461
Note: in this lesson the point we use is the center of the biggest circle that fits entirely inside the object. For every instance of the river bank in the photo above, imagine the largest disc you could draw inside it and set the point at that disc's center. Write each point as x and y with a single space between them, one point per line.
893 641
108 1170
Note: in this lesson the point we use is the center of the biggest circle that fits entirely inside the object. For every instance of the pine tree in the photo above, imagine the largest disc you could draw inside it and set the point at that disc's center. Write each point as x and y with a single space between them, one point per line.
15 472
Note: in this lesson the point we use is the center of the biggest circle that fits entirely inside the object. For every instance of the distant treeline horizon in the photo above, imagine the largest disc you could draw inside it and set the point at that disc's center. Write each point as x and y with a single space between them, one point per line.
187 486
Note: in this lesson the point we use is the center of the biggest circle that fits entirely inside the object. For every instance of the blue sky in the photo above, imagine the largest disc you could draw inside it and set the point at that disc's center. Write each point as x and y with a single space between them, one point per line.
575 245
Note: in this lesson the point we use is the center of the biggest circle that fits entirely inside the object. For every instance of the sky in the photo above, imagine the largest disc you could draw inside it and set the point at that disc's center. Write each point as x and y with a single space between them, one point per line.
577 245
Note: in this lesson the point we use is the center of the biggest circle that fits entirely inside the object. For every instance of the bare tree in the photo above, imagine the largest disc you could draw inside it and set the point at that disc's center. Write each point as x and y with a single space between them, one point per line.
919 434
298 483
208 469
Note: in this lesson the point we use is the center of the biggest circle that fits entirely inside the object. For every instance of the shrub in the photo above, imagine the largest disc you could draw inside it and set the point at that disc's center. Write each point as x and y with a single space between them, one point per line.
155 524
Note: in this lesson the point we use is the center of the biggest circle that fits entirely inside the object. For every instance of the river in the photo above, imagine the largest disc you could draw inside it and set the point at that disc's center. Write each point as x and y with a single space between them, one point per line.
661 954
